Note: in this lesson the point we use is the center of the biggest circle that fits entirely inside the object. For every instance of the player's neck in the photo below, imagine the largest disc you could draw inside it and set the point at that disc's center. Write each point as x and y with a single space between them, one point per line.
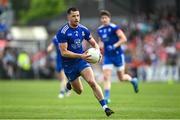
106 24
72 25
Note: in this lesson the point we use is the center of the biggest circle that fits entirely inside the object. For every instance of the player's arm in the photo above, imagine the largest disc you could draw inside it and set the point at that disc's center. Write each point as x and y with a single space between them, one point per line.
90 39
50 47
94 44
66 53
100 43
122 38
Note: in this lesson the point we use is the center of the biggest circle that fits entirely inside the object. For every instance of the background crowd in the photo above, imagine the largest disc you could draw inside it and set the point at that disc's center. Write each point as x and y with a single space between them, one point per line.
153 42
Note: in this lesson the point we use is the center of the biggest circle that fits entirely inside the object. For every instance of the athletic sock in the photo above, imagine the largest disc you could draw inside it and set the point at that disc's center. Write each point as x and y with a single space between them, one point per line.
103 104
132 80
107 94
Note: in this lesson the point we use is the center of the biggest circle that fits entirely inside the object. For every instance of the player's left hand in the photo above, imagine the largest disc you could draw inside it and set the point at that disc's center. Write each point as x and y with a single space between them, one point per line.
85 56
99 55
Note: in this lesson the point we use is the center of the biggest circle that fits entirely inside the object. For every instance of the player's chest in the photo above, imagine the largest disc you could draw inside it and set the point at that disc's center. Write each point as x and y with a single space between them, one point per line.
106 32
75 36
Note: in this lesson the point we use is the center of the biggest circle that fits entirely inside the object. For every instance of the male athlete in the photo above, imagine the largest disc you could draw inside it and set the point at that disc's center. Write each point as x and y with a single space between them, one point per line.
60 73
74 60
112 37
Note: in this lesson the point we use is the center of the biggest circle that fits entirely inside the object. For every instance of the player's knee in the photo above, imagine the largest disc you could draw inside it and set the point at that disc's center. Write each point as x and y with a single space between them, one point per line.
106 78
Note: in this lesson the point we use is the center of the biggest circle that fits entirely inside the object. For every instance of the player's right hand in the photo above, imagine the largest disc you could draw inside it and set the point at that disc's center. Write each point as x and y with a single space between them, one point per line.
85 56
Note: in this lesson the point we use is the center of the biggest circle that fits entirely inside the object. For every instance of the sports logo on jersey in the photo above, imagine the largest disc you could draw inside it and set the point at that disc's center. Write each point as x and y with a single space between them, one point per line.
76 33
104 36
83 34
77 44
109 30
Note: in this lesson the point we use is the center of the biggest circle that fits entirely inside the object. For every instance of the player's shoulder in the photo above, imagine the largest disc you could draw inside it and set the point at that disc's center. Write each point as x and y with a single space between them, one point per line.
100 27
113 25
83 27
64 28
54 38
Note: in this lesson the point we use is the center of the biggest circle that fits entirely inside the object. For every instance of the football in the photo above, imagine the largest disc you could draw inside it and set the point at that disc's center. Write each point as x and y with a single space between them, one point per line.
95 55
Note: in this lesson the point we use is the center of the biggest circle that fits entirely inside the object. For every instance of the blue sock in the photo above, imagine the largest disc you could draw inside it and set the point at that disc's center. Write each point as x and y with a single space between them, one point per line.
107 94
103 104
133 80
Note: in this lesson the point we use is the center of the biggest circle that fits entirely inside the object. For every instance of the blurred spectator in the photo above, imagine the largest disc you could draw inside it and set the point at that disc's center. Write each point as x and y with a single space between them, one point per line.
43 65
24 64
9 62
2 69
3 31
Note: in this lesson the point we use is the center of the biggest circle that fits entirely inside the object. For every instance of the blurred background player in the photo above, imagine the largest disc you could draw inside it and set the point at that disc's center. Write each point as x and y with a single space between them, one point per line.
113 37
60 73
74 60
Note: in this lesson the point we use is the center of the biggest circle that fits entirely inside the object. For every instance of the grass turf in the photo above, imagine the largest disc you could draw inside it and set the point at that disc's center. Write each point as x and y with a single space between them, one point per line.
38 100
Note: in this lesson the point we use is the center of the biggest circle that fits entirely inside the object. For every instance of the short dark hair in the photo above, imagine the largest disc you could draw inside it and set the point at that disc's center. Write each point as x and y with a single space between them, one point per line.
105 12
72 9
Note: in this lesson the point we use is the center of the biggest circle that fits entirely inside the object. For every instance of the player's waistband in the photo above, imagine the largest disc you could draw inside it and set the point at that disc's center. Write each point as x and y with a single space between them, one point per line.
70 61
114 53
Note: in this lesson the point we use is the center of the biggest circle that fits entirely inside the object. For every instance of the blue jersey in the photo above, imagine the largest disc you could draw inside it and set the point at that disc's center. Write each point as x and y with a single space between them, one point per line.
58 54
109 37
73 37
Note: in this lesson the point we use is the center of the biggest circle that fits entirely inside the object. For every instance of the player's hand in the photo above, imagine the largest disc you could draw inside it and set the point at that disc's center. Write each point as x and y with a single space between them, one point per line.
85 56
110 48
99 52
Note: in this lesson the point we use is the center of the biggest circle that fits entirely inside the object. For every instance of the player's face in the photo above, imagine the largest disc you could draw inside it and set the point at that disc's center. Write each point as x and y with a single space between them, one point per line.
74 18
105 20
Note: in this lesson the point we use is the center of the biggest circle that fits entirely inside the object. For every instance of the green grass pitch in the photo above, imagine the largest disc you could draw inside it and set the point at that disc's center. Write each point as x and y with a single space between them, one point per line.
38 100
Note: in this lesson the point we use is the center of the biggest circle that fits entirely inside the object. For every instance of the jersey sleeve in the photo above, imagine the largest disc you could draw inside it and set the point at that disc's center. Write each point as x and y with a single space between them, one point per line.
87 34
98 33
54 41
115 28
61 37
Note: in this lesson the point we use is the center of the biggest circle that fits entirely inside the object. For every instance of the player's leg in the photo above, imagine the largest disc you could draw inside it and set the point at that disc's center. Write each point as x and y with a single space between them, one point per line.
72 73
77 85
121 74
120 66
63 90
61 77
88 75
126 77
107 71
